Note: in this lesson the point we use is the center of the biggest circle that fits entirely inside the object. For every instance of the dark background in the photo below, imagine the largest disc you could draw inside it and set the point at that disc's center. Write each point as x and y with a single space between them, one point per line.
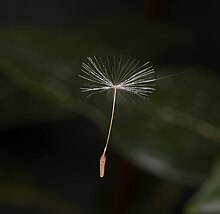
51 165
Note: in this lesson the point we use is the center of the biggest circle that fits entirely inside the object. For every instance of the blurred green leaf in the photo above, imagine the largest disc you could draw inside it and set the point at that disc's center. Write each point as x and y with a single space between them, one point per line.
31 198
207 200
175 135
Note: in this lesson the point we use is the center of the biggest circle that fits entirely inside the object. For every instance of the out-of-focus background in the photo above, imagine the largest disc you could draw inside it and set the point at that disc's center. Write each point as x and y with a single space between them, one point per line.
164 153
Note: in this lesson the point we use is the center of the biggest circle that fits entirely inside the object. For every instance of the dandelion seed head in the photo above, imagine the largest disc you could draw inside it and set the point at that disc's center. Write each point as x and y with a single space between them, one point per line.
118 75
124 75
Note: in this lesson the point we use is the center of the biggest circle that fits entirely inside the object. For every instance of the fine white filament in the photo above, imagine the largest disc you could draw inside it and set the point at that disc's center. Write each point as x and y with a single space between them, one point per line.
125 75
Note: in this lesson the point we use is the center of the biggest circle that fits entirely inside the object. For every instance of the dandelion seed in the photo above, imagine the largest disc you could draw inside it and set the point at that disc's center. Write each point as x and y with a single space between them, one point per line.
116 75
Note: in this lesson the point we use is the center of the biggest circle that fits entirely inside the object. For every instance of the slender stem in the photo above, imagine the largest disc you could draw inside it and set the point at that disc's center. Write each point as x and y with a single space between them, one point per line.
103 157
111 121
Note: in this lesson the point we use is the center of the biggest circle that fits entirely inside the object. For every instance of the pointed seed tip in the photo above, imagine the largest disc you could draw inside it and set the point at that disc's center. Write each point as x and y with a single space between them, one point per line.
102 165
